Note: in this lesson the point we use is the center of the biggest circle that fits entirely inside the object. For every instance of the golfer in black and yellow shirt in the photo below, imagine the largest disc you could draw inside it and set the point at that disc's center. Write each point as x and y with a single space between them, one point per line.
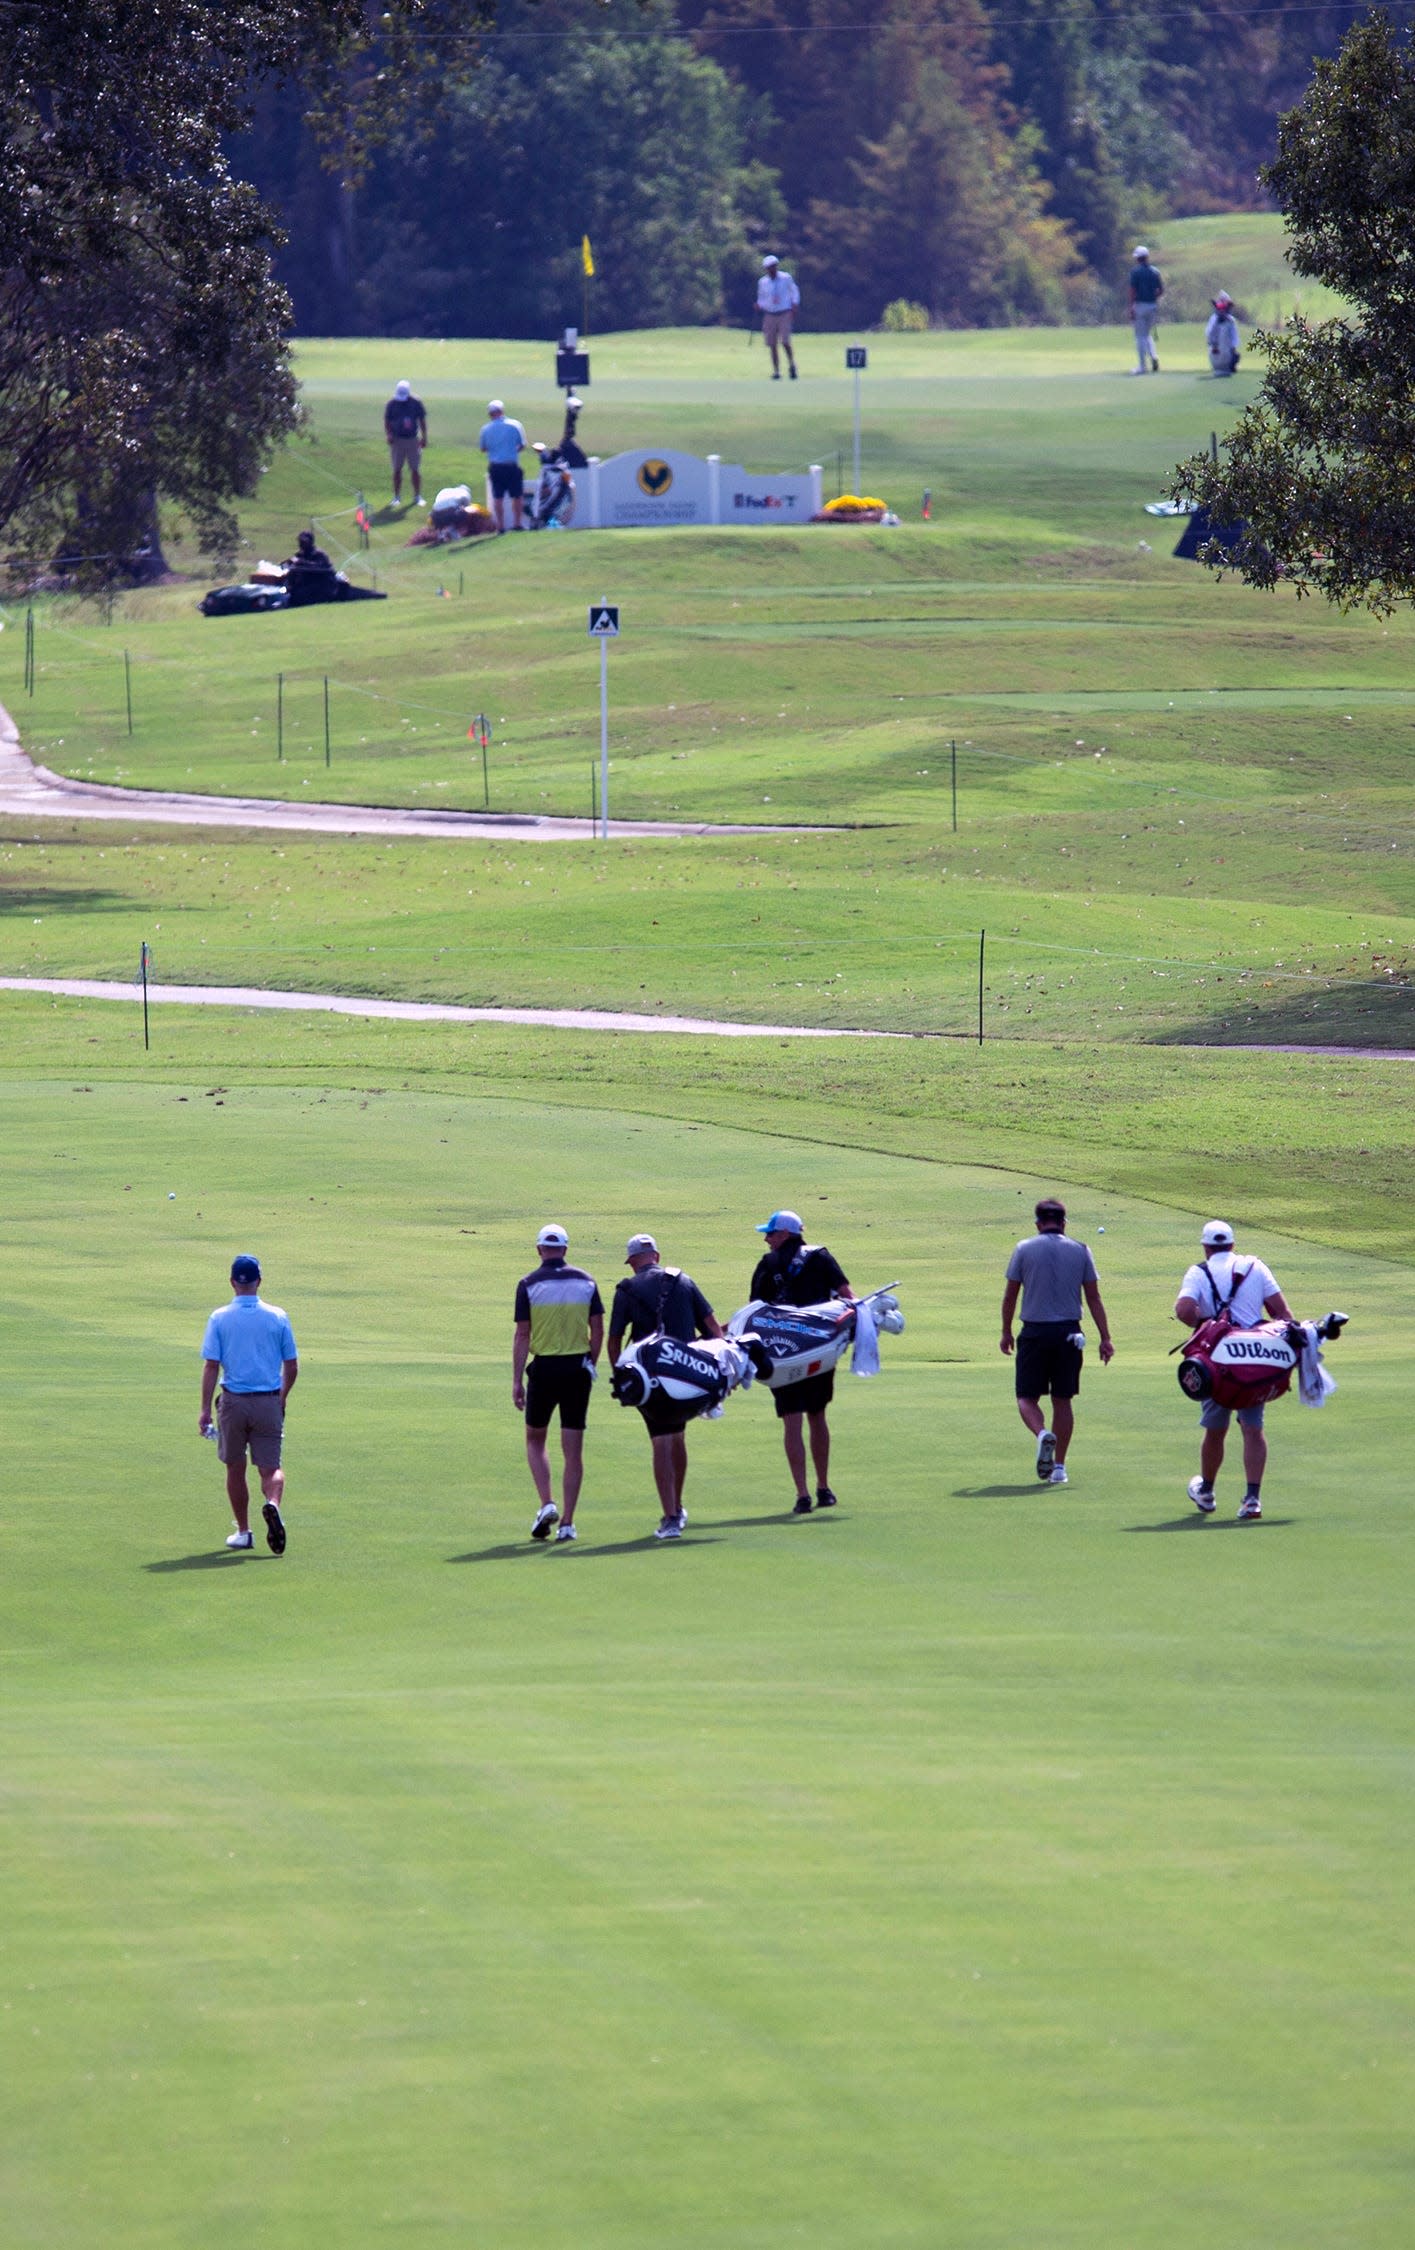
560 1329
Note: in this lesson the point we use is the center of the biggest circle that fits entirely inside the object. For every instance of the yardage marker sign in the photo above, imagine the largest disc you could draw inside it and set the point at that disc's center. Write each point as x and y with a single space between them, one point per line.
604 622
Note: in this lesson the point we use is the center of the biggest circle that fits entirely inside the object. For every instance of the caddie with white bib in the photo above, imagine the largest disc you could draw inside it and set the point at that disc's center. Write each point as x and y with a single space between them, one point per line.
1237 1352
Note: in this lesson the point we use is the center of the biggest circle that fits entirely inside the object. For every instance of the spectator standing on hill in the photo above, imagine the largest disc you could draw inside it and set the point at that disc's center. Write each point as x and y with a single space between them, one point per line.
560 1328
252 1346
795 1272
1050 1272
1222 338
777 299
1220 1283
659 1300
1146 290
503 442
405 427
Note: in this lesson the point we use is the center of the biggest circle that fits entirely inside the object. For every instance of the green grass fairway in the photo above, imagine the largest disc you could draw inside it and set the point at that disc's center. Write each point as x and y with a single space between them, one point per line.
975 1866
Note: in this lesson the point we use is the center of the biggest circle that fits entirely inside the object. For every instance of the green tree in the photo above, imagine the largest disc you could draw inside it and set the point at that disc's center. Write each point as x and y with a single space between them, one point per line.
142 342
1321 466
570 127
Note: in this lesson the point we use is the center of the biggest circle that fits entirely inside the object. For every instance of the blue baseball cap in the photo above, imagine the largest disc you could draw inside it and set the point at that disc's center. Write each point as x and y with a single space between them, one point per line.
783 1222
245 1269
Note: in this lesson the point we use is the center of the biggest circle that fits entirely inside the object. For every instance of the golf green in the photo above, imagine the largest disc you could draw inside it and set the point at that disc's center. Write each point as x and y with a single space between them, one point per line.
981 1864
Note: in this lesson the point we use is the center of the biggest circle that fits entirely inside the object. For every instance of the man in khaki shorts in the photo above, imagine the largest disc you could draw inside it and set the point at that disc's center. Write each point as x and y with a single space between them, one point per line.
777 299
253 1346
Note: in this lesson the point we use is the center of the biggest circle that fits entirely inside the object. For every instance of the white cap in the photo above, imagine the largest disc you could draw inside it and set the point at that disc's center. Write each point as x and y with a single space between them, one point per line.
771 259
494 406
1140 250
1217 1235
402 390
637 1245
552 1238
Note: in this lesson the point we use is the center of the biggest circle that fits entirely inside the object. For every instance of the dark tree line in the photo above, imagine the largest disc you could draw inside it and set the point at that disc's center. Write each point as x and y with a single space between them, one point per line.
988 160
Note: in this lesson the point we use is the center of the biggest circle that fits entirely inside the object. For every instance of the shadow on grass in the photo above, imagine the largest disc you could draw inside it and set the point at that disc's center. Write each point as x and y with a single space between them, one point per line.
1338 1015
216 1560
523 1550
998 1491
1211 1523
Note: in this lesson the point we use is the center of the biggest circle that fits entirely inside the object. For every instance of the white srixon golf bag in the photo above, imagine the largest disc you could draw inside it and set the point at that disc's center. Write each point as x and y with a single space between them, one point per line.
696 1377
804 1340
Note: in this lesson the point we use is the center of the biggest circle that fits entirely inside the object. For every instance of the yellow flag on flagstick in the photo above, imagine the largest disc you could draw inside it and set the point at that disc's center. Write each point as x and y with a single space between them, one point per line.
586 257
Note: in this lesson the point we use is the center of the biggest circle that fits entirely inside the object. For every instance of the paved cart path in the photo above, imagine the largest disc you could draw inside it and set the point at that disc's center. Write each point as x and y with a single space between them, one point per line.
28 789
417 1011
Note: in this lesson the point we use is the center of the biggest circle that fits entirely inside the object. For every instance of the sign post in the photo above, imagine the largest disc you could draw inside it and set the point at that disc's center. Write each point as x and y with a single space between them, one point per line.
857 359
603 627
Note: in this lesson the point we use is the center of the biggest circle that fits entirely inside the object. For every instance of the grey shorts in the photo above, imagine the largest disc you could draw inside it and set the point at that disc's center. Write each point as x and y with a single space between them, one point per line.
1212 1416
405 453
776 327
250 1418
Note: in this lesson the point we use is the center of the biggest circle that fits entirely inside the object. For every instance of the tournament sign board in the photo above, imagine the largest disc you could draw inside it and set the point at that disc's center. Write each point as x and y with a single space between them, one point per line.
604 621
856 357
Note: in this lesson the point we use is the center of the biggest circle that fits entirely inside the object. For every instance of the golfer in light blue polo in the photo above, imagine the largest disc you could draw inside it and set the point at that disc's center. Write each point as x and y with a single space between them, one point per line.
252 1346
503 442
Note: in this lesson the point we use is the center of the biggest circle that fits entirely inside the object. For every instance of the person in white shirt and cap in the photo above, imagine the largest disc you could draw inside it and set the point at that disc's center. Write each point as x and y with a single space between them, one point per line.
1222 1282
777 299
1222 337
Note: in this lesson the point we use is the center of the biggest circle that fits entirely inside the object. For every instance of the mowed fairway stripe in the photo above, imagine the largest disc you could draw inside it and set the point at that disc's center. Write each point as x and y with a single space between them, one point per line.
979 1864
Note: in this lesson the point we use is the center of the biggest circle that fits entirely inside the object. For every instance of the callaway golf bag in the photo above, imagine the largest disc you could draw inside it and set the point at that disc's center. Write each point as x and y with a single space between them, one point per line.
696 1377
1249 1366
803 1340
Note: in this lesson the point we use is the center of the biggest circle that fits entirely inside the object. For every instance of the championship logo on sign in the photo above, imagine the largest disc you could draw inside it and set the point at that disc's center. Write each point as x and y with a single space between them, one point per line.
655 477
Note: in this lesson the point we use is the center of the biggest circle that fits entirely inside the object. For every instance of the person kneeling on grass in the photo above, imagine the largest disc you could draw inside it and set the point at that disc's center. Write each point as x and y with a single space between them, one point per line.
1050 1272
253 1345
1219 1284
560 1327
797 1272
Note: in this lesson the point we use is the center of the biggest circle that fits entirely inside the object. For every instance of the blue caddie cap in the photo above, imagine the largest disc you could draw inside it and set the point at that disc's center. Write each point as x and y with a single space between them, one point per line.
783 1222
245 1269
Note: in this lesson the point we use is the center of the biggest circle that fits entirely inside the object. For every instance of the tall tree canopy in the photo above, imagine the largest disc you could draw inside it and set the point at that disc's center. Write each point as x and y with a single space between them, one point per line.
1321 467
142 344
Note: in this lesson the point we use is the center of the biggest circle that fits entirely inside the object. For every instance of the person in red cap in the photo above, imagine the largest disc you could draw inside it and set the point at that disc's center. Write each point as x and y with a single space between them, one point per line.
1221 336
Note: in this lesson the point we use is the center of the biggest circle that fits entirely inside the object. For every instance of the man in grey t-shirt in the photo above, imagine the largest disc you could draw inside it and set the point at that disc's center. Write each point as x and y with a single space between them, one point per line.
1051 1273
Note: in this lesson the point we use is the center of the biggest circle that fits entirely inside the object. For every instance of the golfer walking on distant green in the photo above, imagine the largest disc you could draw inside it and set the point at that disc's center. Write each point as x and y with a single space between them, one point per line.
796 1272
659 1300
250 1345
560 1330
1146 290
777 300
1051 1272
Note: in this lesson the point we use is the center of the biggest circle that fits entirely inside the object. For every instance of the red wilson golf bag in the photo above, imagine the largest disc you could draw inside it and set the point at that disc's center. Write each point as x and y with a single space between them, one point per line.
1248 1366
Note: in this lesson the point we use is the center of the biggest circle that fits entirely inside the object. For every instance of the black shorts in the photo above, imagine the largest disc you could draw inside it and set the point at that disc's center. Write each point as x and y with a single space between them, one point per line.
1048 1363
507 479
665 1417
812 1395
562 1382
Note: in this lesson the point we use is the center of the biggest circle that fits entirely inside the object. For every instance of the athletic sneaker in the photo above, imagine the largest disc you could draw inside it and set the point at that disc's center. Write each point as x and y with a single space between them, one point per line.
1251 1508
1058 1475
1046 1456
1154 367
274 1528
241 1539
564 1534
825 1498
1202 1496
803 1505
792 373
670 1528
546 1520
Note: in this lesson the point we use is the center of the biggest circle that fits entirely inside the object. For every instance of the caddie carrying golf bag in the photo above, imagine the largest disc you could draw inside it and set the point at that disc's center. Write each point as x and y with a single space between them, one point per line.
692 1378
1249 1366
805 1340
